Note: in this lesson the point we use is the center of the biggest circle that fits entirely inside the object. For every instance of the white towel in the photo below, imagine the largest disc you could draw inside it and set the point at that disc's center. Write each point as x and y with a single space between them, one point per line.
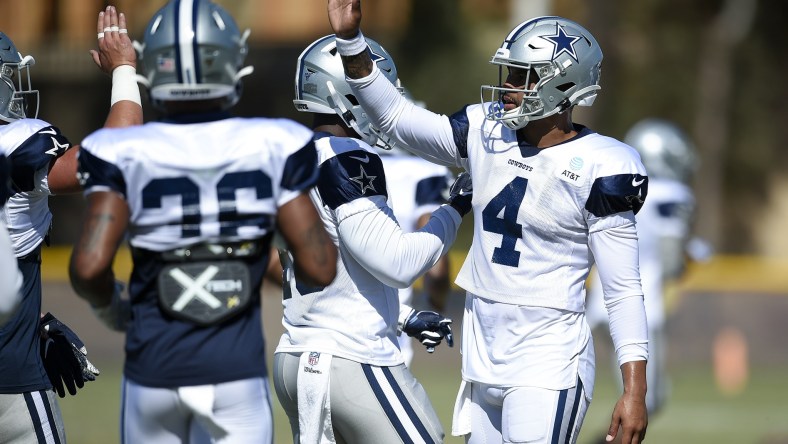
314 400
199 399
461 422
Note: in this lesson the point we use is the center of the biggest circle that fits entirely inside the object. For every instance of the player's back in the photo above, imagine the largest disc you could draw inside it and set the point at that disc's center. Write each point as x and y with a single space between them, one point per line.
208 189
189 183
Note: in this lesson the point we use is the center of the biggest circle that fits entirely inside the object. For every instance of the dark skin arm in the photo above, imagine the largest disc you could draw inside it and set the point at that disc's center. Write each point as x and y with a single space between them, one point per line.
114 50
345 19
314 255
90 268
630 412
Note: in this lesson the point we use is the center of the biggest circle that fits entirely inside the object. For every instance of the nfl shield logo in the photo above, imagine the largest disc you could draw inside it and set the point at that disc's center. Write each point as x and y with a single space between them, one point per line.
313 358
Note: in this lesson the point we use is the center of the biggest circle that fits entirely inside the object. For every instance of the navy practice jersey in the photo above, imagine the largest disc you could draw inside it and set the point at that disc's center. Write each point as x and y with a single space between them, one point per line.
190 183
30 146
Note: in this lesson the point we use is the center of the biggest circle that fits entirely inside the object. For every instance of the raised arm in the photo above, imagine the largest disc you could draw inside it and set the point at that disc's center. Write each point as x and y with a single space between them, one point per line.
116 57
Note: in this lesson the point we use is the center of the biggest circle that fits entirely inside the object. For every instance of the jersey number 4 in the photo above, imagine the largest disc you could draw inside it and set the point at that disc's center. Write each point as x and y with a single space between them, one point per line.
500 217
229 218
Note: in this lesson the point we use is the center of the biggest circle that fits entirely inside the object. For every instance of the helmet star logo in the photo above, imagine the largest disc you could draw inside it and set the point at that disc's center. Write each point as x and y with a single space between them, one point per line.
563 42
364 181
375 56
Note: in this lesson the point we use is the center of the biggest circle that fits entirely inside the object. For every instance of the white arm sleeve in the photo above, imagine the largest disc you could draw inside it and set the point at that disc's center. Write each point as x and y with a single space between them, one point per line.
369 230
423 132
10 276
616 254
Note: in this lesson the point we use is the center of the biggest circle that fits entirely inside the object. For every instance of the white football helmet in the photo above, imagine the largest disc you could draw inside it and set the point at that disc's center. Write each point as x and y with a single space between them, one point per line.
320 87
193 50
565 57
665 150
17 95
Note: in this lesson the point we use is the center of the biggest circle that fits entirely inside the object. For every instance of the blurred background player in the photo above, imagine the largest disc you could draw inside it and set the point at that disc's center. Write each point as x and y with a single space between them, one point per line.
416 188
39 353
551 197
664 230
340 349
200 195
10 275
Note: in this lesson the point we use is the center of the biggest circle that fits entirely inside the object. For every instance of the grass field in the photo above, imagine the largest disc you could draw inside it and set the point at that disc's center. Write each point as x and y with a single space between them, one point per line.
697 413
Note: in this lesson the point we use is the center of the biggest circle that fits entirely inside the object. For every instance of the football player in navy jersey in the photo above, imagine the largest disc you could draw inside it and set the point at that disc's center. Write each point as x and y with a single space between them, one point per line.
200 195
340 348
10 274
39 353
552 198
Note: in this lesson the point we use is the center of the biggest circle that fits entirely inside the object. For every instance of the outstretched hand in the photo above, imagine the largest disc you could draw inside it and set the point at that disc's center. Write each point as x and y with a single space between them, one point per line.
345 17
115 47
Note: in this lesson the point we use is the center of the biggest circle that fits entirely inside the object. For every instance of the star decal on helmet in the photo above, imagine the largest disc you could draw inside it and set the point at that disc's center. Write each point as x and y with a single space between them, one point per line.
563 42
375 56
364 181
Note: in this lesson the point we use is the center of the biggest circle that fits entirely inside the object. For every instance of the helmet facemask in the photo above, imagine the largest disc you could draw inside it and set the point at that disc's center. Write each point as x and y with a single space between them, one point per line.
18 99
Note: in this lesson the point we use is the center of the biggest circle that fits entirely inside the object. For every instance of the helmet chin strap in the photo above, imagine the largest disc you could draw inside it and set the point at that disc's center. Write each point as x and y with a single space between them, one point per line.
347 116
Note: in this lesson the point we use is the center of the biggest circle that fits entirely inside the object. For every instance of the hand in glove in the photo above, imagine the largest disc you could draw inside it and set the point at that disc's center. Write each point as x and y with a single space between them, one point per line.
461 194
429 327
65 357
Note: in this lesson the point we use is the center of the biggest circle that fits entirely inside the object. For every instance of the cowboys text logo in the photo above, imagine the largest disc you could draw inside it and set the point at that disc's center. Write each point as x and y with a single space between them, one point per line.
562 42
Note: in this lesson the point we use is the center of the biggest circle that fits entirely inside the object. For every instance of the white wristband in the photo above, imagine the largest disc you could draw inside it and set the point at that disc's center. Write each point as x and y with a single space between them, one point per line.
354 46
124 85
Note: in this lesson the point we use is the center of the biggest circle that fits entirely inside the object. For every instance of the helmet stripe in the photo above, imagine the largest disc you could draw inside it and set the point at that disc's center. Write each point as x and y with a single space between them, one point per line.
507 43
176 30
195 46
184 30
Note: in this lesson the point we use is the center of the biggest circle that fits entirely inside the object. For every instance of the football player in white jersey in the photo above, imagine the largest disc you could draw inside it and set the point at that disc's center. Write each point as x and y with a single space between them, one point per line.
664 230
10 275
340 349
551 198
37 352
200 195
416 188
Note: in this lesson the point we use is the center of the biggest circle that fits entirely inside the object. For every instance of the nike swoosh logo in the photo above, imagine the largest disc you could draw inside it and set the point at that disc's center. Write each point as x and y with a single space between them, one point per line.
364 159
636 183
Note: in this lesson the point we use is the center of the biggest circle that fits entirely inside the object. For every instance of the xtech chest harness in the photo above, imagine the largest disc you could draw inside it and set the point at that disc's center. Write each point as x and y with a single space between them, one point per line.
206 284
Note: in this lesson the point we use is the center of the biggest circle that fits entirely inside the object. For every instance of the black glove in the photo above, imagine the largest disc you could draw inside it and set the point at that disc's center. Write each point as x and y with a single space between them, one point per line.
461 194
428 327
65 357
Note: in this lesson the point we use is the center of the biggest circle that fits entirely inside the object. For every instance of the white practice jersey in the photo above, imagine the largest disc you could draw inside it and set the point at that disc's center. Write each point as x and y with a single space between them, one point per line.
416 187
202 182
541 218
356 316
666 214
30 146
